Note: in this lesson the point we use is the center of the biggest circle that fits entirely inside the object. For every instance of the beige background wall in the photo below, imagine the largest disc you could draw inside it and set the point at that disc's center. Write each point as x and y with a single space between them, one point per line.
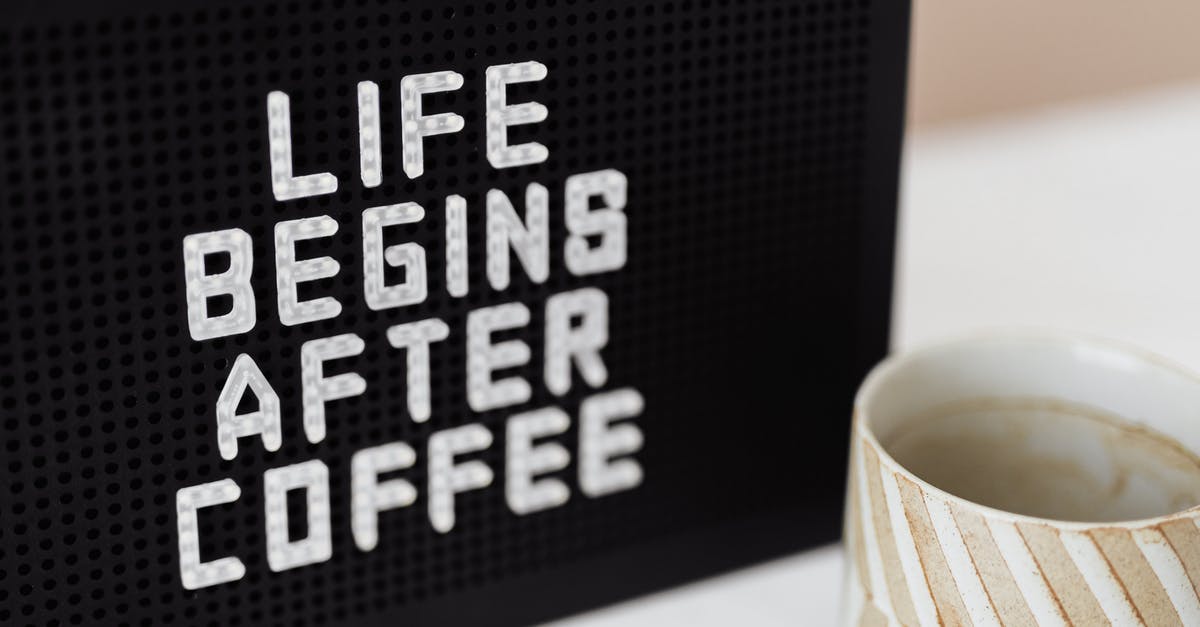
979 57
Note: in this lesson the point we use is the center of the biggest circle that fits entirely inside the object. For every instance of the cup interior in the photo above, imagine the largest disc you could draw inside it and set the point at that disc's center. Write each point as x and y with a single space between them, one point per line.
1063 429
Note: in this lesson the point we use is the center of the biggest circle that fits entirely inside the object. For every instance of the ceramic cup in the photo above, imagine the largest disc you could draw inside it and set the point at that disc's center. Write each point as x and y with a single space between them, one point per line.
1009 480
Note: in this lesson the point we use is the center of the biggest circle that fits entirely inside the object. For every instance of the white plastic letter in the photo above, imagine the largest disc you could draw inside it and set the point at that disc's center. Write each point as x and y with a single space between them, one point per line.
599 442
234 282
264 421
416 337
279 142
447 478
283 553
524 461
370 154
608 223
289 272
581 343
484 357
317 389
410 256
501 115
193 573
416 126
369 496
531 241
456 246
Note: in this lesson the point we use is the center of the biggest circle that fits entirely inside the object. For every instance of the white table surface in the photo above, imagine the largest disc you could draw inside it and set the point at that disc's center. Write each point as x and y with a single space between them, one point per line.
1083 217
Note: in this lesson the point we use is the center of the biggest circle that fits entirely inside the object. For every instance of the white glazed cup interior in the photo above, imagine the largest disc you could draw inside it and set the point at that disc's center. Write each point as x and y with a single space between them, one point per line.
1069 426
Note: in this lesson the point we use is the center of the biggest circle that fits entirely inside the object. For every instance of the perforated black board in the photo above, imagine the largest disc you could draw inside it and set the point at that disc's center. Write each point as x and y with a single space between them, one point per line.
758 143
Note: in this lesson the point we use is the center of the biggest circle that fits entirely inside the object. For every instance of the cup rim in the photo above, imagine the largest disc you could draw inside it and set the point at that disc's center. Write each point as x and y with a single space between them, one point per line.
1058 339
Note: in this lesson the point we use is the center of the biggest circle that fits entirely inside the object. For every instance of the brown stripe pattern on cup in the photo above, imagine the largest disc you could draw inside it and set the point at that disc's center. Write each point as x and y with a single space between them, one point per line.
1184 538
924 559
897 584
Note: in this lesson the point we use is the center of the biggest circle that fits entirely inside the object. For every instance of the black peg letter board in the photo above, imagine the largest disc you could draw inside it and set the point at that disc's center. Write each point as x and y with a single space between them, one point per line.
672 300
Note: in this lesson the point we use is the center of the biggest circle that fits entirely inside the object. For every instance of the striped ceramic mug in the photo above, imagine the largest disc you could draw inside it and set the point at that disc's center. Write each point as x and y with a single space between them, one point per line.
1024 481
